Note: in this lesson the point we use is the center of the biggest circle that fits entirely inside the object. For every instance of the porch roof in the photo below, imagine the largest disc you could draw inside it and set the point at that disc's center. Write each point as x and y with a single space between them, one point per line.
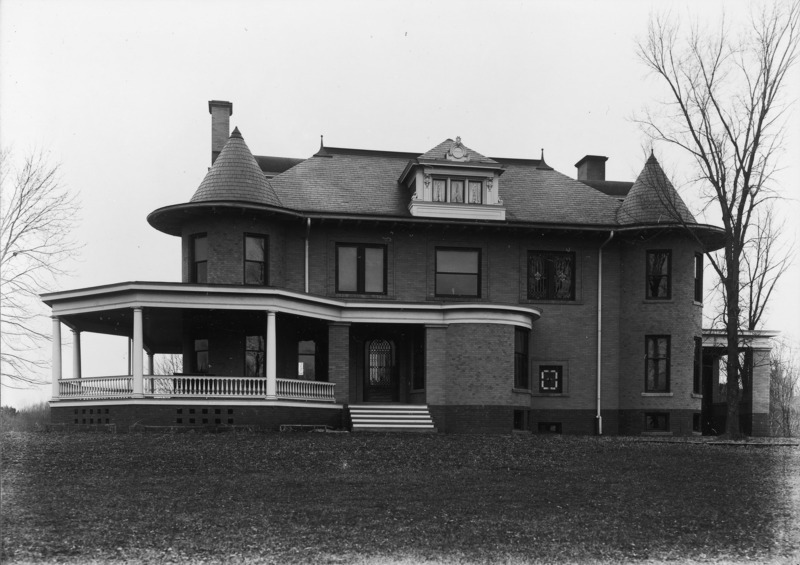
108 309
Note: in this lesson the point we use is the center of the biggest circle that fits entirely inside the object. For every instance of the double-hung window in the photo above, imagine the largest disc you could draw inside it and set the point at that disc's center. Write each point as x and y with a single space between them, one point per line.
659 277
698 277
254 356
521 339
201 356
307 360
255 259
551 276
361 268
199 252
697 375
656 378
458 272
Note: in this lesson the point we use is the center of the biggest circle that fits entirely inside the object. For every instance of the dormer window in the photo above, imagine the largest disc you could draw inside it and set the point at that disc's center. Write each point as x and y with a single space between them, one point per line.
453 181
457 190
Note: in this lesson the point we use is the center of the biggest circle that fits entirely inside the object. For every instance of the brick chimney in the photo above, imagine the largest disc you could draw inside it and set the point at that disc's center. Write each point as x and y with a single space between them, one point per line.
221 112
592 167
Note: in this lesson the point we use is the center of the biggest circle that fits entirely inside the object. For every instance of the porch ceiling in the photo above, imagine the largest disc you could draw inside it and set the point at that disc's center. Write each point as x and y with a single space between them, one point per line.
162 327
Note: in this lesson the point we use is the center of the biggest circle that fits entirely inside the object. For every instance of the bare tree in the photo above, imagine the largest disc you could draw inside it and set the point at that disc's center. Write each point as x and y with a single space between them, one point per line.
168 364
37 214
784 390
726 109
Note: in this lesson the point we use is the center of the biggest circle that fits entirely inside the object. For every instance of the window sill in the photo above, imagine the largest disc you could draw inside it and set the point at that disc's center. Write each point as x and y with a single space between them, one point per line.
658 394
355 295
550 394
695 395
658 301
696 303
552 302
521 391
654 433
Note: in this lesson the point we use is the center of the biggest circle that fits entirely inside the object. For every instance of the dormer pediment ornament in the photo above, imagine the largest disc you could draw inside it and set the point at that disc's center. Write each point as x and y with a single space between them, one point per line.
457 152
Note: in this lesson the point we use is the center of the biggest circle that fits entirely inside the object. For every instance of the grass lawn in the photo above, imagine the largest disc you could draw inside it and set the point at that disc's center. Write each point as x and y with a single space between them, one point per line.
364 498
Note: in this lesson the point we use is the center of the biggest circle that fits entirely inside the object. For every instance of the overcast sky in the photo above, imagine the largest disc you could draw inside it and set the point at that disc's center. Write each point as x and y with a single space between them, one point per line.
117 93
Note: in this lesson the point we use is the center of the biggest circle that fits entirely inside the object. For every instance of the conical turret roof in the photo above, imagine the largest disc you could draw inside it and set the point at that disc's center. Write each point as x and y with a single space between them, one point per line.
653 200
236 176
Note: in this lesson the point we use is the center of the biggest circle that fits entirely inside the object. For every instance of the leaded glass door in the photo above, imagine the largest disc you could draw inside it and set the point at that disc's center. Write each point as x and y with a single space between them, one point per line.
380 375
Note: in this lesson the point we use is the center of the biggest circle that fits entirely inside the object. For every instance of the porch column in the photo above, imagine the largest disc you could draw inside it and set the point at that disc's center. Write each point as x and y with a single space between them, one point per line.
56 363
272 385
137 354
76 354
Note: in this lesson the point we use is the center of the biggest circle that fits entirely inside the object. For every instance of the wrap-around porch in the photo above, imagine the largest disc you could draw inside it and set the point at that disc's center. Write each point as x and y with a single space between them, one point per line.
255 345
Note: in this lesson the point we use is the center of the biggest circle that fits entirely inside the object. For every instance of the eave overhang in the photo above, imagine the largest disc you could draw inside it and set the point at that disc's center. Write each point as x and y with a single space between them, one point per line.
170 219
180 296
710 237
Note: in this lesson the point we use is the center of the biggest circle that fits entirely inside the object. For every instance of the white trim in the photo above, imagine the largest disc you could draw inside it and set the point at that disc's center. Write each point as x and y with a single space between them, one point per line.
192 402
185 296
754 339
421 208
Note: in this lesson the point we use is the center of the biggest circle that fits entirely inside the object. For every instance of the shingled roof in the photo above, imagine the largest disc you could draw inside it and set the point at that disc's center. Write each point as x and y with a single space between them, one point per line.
236 176
653 200
356 181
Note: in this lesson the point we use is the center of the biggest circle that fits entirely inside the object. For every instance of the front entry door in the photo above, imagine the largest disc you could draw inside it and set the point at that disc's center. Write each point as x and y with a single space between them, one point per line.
381 377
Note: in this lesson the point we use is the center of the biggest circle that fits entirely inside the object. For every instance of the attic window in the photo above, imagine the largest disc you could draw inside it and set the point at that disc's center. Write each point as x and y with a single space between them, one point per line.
459 190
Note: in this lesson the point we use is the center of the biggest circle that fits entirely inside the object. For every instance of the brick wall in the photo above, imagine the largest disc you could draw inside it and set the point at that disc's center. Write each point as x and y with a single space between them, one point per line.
339 360
678 317
225 233
480 364
681 422
192 415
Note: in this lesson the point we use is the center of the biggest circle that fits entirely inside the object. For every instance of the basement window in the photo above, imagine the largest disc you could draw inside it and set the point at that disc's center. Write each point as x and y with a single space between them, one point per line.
656 422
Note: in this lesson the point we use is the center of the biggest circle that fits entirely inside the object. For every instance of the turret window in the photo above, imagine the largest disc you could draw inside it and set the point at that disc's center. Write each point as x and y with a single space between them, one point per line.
659 279
255 259
199 251
657 368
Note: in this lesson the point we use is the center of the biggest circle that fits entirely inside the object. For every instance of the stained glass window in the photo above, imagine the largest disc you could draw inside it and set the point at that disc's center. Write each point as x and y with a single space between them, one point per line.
551 276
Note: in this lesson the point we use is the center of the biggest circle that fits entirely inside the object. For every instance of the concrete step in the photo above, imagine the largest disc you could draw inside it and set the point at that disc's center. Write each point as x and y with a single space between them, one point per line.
391 418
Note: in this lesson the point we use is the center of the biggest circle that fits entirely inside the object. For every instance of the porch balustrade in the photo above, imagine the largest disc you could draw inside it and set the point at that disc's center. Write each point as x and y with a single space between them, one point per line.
193 386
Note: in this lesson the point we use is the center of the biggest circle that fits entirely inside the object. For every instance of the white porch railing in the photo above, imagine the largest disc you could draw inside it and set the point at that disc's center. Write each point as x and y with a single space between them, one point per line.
193 386
96 387
305 390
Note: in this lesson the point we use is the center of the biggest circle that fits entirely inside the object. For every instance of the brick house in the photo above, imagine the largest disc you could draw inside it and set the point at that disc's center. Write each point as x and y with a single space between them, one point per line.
442 290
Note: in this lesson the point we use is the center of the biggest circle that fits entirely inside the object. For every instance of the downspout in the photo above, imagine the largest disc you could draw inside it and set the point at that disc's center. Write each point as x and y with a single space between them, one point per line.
599 416
308 232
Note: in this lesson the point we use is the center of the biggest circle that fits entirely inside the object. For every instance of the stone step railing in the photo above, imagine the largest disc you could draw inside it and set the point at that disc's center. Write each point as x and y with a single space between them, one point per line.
193 386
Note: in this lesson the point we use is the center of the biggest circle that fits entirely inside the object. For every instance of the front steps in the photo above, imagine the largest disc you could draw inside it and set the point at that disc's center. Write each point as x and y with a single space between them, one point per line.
391 418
